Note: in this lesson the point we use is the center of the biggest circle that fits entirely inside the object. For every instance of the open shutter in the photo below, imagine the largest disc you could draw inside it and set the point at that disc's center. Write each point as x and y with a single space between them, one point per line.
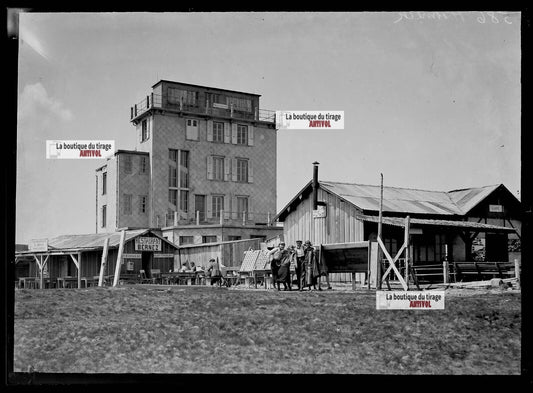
234 133
250 135
250 209
234 169
209 205
227 206
234 209
227 168
227 133
250 172
210 167
210 130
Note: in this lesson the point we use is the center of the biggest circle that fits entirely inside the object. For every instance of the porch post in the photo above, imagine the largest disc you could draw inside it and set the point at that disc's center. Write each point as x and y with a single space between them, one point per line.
406 242
119 258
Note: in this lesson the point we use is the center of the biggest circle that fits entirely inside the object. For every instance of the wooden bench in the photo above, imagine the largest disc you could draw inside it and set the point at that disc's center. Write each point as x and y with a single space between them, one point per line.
481 270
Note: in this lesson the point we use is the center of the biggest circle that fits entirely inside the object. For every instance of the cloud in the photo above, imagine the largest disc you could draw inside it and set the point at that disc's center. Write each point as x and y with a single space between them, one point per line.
35 100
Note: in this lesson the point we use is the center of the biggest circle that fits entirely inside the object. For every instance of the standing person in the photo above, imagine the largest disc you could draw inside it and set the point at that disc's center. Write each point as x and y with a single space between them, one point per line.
214 272
300 253
275 261
284 272
311 268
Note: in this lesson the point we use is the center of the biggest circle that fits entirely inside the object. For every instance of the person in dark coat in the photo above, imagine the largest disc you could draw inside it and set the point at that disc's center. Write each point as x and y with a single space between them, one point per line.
284 272
310 266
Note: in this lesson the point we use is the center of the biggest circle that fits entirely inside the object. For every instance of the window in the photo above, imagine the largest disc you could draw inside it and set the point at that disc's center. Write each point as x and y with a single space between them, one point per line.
242 170
127 204
142 164
173 155
144 130
189 98
142 204
191 130
173 196
241 104
217 204
104 215
172 177
104 183
186 240
242 134
184 201
127 164
209 239
218 168
242 205
218 131
184 169
220 99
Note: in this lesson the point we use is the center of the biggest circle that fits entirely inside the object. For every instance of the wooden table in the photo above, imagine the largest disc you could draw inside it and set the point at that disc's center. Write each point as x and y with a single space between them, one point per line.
28 282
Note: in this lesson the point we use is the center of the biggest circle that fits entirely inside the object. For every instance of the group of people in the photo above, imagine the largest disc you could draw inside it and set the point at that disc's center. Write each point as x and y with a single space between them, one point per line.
309 268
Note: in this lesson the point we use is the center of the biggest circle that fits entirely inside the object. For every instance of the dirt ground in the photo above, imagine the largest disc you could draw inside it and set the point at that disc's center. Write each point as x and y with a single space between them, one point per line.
199 329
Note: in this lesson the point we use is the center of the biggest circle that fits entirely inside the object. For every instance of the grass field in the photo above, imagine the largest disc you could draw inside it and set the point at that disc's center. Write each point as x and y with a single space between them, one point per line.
143 329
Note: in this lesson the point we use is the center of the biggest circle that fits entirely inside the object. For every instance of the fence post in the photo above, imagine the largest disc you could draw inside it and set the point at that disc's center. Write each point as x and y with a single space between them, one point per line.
517 272
445 270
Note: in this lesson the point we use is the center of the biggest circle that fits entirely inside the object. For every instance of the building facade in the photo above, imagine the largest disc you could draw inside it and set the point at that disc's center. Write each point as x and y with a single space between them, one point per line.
205 158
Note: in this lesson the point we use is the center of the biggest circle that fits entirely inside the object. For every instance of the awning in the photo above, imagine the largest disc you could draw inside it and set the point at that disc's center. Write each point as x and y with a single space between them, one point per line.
475 226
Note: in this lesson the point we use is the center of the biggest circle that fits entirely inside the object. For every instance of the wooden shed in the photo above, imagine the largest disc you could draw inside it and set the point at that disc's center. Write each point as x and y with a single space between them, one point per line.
80 256
327 212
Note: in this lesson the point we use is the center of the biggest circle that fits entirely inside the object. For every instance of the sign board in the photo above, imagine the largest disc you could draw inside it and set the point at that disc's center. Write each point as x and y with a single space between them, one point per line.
163 255
496 208
131 256
147 244
320 212
38 245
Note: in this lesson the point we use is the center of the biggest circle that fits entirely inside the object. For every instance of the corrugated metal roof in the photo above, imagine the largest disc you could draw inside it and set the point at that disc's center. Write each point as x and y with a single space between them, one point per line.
92 241
468 198
396 221
96 240
399 200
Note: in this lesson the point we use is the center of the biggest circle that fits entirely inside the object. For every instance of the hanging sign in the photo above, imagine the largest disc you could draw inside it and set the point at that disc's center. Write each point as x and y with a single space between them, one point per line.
320 211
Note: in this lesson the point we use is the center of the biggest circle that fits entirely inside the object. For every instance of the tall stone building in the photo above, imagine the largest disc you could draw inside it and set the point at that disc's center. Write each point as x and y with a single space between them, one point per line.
204 168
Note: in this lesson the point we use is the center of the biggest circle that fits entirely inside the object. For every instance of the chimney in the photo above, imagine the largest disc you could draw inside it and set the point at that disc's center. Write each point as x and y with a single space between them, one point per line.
315 184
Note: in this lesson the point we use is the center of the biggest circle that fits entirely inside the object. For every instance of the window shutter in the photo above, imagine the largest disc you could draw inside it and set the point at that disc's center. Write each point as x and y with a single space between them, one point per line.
226 133
234 133
227 168
209 203
250 209
227 206
250 135
210 130
250 172
210 167
234 169
234 210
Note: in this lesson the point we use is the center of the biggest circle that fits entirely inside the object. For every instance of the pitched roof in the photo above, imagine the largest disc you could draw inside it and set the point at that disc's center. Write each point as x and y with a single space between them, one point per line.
93 241
402 200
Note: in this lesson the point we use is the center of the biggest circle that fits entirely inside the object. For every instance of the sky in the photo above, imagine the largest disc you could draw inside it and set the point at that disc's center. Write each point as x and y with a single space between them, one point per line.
431 101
